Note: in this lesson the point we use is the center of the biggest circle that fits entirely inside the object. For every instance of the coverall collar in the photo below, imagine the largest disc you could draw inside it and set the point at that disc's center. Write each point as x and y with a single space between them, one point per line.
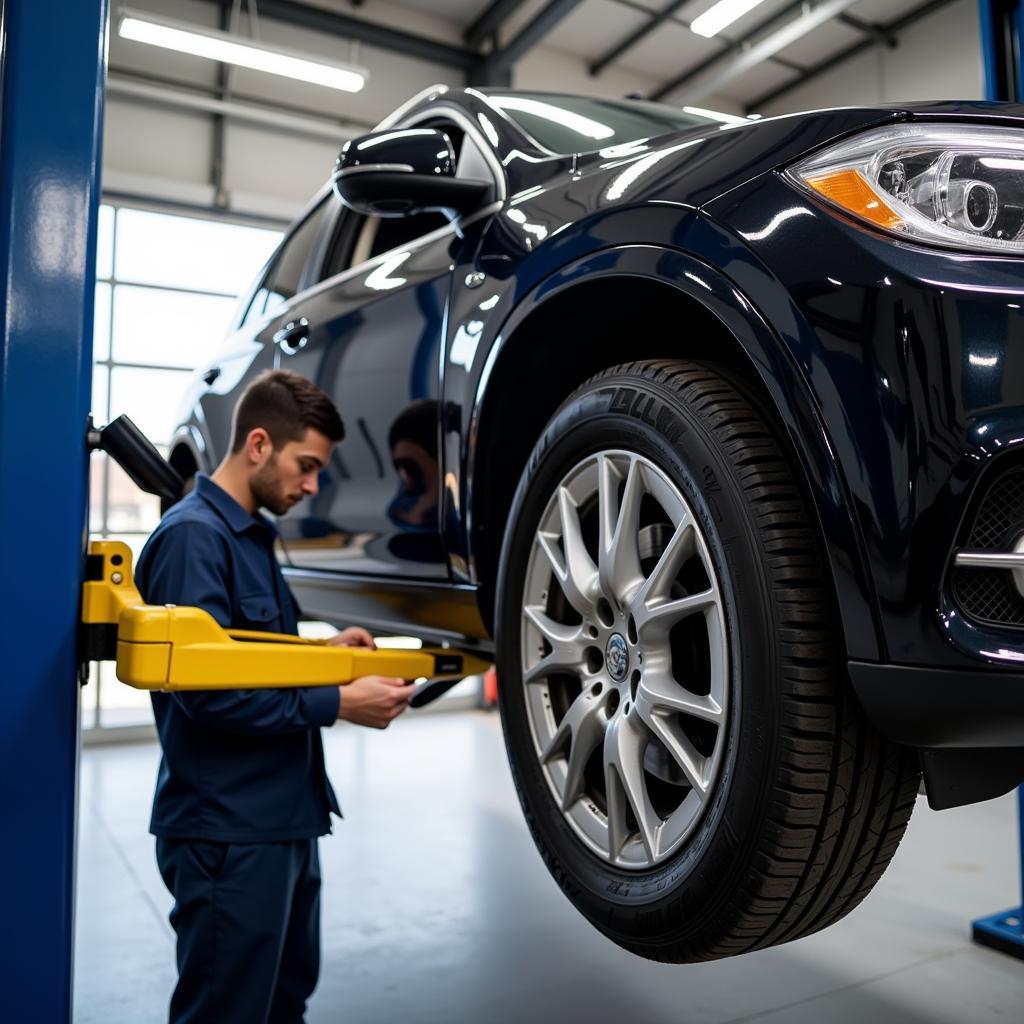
228 509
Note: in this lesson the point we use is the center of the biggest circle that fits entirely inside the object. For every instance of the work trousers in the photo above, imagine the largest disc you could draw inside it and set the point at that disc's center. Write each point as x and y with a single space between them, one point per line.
247 918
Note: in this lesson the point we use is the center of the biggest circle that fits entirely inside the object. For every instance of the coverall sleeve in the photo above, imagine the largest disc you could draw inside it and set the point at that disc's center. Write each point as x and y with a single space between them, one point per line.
189 566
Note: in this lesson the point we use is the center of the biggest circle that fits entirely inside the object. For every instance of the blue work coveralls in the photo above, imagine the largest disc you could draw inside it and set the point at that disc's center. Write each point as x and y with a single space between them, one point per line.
242 793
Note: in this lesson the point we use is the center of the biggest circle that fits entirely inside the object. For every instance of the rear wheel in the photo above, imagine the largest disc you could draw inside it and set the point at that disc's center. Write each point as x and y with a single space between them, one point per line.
690 759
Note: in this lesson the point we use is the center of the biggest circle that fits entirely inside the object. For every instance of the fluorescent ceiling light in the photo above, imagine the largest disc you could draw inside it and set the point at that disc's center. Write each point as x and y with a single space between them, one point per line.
230 49
713 78
723 14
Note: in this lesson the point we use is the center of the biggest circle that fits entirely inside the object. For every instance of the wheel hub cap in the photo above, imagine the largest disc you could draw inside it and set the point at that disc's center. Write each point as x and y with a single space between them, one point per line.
616 657
620 585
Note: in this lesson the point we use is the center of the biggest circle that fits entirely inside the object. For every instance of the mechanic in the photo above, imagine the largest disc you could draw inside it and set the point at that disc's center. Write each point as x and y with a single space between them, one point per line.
242 793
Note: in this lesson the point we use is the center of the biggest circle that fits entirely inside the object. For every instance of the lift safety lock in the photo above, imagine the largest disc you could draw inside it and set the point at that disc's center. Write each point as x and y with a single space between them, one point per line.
174 648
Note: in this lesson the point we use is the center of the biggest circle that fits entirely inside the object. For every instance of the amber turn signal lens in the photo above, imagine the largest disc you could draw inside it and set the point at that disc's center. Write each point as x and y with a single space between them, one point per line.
850 191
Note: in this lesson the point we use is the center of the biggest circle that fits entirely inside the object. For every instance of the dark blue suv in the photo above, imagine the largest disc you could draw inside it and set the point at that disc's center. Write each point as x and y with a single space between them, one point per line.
714 429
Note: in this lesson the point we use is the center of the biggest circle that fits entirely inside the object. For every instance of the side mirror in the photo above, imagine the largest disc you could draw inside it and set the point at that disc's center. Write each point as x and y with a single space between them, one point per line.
404 171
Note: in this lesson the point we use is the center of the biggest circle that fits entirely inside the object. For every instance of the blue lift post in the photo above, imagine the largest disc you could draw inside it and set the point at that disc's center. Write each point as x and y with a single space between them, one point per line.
53 68
1002 33
1005 931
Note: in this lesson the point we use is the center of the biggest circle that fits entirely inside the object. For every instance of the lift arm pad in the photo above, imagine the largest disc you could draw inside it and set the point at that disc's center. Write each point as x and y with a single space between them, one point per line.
175 648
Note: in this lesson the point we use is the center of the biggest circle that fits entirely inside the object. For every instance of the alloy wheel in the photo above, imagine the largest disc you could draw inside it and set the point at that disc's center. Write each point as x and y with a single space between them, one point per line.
625 659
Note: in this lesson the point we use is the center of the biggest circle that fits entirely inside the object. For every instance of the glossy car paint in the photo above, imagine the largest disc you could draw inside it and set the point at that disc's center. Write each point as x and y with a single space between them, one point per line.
375 344
894 368
917 362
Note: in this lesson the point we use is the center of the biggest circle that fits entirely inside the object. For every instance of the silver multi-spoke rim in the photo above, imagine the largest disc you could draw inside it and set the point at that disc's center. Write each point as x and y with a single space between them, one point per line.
625 662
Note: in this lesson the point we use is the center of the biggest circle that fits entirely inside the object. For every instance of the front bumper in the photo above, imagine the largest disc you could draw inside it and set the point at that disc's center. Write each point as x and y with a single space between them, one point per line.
942 708
914 358
968 725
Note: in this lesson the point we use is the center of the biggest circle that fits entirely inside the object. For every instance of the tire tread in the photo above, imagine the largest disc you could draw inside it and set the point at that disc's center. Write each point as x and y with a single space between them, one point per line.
843 794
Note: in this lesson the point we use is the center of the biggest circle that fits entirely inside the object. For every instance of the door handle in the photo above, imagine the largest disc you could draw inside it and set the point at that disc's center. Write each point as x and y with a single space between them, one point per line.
293 336
212 374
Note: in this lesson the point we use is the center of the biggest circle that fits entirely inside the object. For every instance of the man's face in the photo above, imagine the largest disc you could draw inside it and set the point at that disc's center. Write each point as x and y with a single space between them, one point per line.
290 473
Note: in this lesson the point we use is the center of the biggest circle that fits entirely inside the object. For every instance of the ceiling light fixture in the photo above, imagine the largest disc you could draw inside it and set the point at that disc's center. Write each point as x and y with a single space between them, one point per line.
709 81
722 15
231 49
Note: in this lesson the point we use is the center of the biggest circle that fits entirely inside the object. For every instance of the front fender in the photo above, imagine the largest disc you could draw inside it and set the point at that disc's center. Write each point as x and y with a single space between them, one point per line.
769 357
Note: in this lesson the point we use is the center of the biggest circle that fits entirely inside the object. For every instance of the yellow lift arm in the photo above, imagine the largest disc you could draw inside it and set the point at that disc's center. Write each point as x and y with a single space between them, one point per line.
174 648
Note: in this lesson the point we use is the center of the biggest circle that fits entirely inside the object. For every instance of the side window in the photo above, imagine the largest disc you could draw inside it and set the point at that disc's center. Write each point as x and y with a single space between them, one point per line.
347 229
358 239
282 282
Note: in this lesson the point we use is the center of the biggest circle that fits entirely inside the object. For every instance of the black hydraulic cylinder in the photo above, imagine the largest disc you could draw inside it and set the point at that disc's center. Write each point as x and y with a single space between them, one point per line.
122 440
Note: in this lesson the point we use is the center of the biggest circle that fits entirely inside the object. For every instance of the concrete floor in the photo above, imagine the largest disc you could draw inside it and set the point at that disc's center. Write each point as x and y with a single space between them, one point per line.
438 909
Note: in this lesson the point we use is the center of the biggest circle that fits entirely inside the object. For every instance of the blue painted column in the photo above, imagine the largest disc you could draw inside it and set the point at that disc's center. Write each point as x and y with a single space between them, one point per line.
1002 34
1005 931
54 62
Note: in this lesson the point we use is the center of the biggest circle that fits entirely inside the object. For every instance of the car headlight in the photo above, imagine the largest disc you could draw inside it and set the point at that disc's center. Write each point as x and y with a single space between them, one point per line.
959 186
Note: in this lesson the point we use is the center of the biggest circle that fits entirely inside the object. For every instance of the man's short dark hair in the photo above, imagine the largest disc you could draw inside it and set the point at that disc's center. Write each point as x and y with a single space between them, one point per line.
285 405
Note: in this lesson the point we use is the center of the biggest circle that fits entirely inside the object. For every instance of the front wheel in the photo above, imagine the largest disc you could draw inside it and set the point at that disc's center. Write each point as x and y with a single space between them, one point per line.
686 749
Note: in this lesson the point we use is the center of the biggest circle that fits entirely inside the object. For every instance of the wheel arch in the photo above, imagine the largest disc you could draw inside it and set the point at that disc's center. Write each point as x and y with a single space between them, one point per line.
185 456
599 311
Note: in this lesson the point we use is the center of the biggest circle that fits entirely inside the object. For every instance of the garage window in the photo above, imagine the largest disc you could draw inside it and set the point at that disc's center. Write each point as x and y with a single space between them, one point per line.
166 292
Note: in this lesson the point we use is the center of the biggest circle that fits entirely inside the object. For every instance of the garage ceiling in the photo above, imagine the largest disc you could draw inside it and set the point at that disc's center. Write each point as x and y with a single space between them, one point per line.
652 38
744 64
256 144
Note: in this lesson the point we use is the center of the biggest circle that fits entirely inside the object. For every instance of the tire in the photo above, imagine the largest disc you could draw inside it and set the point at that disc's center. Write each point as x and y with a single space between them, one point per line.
752 805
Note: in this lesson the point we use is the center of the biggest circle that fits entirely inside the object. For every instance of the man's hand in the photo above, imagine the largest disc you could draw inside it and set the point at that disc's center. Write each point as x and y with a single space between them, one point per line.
354 636
373 701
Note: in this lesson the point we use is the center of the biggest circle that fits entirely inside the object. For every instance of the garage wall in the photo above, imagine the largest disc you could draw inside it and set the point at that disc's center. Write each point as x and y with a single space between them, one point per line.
553 71
267 172
938 57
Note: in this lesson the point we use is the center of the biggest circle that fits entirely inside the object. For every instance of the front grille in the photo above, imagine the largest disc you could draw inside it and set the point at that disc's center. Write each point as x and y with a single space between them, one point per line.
989 596
1000 519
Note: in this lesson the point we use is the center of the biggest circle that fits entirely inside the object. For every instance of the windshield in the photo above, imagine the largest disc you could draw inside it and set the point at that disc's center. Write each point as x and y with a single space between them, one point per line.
567 124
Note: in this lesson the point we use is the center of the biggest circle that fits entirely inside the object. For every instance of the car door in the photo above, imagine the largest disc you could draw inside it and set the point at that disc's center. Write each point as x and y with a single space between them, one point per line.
370 335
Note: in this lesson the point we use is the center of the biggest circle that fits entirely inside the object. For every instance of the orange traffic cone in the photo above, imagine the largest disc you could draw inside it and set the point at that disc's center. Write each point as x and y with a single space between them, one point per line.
490 687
